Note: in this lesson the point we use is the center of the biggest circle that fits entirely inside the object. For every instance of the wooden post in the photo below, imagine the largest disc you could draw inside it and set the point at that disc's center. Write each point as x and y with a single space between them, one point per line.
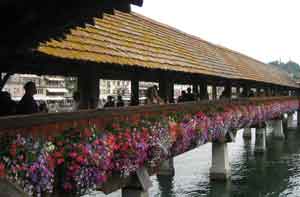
134 92
88 86
166 89
195 89
245 92
238 91
214 92
203 91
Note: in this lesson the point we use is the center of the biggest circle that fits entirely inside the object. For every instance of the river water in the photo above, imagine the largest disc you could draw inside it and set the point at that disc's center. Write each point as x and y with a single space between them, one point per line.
274 173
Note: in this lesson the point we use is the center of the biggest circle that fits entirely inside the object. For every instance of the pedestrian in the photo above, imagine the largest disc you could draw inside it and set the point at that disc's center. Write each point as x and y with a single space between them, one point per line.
28 105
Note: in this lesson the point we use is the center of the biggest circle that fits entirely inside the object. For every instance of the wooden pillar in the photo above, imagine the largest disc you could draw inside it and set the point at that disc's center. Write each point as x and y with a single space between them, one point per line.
229 86
203 91
245 92
195 89
88 86
134 92
166 88
238 91
268 91
214 92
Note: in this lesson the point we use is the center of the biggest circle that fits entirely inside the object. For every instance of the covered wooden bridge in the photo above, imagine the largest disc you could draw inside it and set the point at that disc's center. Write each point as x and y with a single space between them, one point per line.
107 41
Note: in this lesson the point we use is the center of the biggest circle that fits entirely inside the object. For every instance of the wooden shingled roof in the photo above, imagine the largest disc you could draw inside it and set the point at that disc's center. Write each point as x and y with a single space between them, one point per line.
133 40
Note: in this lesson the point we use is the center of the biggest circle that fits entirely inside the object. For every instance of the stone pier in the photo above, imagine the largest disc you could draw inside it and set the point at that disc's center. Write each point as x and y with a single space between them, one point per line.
290 120
220 169
269 126
139 185
247 133
167 168
260 139
278 129
298 118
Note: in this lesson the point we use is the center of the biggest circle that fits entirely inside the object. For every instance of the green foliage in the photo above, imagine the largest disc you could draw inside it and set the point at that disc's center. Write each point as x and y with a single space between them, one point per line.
290 67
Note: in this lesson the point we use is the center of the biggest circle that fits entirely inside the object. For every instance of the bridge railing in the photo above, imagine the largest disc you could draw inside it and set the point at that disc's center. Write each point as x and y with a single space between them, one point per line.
88 147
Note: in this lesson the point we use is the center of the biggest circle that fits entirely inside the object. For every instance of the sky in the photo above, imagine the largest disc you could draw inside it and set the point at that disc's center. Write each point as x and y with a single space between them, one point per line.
266 30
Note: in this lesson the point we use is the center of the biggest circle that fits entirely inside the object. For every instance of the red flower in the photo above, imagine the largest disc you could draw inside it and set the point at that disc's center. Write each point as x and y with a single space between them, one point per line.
87 132
57 154
2 170
67 187
80 159
60 161
51 162
13 150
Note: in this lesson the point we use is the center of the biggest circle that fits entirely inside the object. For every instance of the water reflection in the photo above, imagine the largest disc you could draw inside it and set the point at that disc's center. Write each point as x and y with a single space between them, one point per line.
165 185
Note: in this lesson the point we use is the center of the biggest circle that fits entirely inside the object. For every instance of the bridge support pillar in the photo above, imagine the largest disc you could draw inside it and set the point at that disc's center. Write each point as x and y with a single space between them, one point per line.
298 117
167 168
220 169
134 192
269 125
278 129
139 185
260 139
290 120
247 133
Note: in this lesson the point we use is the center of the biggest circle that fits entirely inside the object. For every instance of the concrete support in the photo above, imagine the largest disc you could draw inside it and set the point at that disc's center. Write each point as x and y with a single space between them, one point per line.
139 185
132 192
247 133
298 118
260 140
167 168
290 120
220 169
134 92
269 125
88 86
278 129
